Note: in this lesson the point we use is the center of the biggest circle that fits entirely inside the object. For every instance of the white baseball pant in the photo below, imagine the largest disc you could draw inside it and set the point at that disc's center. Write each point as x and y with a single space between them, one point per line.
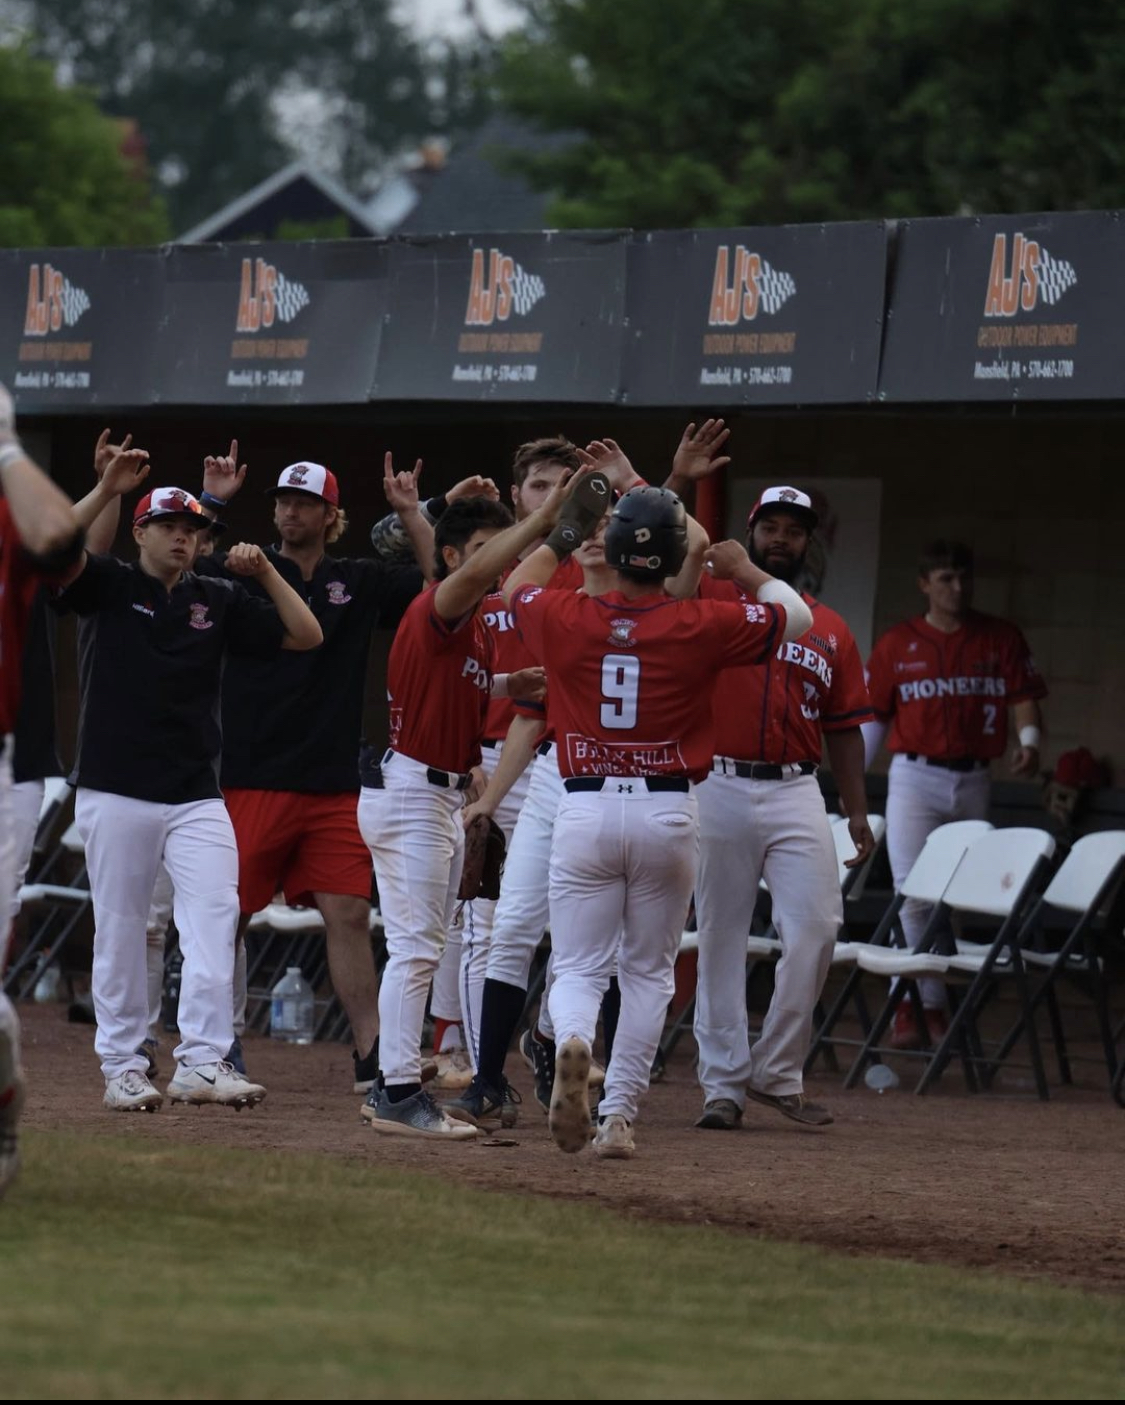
26 807
623 863
125 840
9 1020
445 999
413 829
479 916
779 830
919 798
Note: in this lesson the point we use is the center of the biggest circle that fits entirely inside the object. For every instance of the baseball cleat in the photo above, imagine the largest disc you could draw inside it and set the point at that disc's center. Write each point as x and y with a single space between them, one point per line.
11 1105
795 1106
539 1055
482 1105
214 1083
416 1116
569 1117
454 1071
721 1115
613 1140
132 1092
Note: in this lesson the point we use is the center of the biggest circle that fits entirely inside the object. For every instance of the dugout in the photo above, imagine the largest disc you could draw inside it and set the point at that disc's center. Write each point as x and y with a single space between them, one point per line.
946 377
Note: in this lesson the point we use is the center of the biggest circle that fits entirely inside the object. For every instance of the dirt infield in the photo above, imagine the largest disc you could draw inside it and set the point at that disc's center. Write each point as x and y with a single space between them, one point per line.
998 1181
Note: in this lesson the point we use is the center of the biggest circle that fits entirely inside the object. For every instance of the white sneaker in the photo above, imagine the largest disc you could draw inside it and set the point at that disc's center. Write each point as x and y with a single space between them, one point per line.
132 1092
614 1139
454 1072
11 1105
214 1083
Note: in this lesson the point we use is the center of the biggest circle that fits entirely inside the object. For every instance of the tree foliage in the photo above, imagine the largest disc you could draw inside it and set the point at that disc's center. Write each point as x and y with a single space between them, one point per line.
64 178
228 91
713 112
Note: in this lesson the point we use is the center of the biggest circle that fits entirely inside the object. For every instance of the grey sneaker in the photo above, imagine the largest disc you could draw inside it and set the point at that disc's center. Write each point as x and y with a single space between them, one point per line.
539 1055
214 1083
721 1114
614 1139
569 1117
454 1071
481 1105
132 1092
417 1116
795 1106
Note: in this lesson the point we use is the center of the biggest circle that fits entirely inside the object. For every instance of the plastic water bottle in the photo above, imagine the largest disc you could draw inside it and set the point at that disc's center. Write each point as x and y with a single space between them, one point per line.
880 1077
292 1009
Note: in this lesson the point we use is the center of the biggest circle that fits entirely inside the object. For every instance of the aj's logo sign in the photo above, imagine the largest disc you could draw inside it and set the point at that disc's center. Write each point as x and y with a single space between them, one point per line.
1031 276
266 296
744 284
52 301
498 289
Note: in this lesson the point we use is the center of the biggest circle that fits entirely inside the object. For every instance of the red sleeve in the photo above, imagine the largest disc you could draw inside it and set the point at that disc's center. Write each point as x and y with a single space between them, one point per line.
747 633
1022 679
880 680
529 614
848 701
438 635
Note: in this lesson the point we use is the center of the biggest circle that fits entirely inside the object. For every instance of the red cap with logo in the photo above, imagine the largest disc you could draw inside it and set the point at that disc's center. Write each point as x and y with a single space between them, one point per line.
169 502
311 478
788 500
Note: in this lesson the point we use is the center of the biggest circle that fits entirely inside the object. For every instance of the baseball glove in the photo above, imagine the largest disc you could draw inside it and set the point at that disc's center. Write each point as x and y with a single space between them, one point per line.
484 860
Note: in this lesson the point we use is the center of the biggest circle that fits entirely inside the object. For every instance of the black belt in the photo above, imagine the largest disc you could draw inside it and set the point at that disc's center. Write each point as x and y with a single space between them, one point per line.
653 783
371 773
957 763
543 748
766 770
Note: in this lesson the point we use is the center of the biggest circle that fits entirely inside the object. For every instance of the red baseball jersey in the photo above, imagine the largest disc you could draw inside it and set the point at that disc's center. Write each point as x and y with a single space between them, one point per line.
631 680
510 651
811 685
947 695
438 681
19 580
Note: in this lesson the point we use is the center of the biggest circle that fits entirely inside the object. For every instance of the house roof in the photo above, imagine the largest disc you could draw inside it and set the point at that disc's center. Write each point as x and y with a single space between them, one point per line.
297 192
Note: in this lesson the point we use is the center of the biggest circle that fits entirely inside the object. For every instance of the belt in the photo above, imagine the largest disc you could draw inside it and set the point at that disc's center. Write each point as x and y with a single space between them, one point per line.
653 783
544 748
762 770
956 763
371 773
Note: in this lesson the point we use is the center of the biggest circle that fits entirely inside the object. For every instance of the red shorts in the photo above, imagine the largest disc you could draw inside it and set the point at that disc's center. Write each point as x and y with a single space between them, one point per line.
302 844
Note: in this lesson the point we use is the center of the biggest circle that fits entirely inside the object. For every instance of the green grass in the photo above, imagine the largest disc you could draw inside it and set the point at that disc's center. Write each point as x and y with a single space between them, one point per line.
187 1272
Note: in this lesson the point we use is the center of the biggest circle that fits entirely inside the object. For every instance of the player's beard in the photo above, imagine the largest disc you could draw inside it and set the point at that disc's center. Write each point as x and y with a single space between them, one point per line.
782 567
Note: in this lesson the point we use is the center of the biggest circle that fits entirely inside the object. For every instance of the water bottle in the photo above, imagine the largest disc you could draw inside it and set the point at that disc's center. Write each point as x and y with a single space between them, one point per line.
292 1009
880 1077
170 1005
49 984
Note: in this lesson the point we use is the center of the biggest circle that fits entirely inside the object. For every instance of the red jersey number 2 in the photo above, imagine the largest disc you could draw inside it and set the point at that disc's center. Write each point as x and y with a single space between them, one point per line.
621 681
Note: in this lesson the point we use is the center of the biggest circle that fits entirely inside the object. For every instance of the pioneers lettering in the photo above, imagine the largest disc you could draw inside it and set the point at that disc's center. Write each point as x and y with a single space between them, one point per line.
923 688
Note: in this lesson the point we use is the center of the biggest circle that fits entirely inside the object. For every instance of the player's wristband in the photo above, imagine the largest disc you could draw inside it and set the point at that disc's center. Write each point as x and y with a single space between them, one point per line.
211 501
10 452
1030 736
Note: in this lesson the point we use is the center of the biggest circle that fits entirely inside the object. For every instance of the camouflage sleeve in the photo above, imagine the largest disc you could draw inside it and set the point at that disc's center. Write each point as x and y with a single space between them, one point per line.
388 536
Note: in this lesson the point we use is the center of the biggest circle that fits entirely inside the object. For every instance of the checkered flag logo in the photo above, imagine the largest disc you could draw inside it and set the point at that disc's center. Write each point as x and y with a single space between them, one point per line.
527 290
75 301
775 287
289 297
1056 276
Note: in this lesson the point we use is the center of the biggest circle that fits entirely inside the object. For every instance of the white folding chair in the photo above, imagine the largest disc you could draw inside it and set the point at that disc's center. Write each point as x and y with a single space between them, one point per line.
997 877
58 909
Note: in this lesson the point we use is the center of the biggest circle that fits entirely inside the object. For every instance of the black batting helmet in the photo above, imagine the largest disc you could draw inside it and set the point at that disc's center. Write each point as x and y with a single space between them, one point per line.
647 534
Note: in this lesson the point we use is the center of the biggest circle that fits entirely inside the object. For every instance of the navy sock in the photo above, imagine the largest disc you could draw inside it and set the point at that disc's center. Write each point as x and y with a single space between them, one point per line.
500 1011
399 1092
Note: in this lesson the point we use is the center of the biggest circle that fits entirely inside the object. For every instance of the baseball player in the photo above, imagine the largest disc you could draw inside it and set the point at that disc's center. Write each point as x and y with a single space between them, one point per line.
292 724
39 538
439 679
631 678
146 772
761 813
941 684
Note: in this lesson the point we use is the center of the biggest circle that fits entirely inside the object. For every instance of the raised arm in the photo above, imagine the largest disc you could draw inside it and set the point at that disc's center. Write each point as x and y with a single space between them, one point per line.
401 490
390 541
301 628
698 455
729 561
222 478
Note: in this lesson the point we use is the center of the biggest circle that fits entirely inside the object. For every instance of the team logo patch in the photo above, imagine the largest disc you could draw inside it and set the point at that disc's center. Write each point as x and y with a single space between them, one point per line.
199 618
755 614
621 633
646 563
338 593
299 476
787 495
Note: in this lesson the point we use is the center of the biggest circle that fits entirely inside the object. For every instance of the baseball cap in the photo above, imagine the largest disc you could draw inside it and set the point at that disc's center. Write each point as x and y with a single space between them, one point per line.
791 499
168 502
311 478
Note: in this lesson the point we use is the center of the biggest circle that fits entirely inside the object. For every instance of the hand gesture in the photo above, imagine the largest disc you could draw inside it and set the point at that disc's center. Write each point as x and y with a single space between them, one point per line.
124 469
724 558
245 559
401 489
1025 761
608 456
862 838
104 452
474 487
698 454
221 478
528 684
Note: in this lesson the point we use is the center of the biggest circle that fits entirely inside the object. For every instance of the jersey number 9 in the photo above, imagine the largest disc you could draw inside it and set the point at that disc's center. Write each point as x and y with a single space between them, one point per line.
621 678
